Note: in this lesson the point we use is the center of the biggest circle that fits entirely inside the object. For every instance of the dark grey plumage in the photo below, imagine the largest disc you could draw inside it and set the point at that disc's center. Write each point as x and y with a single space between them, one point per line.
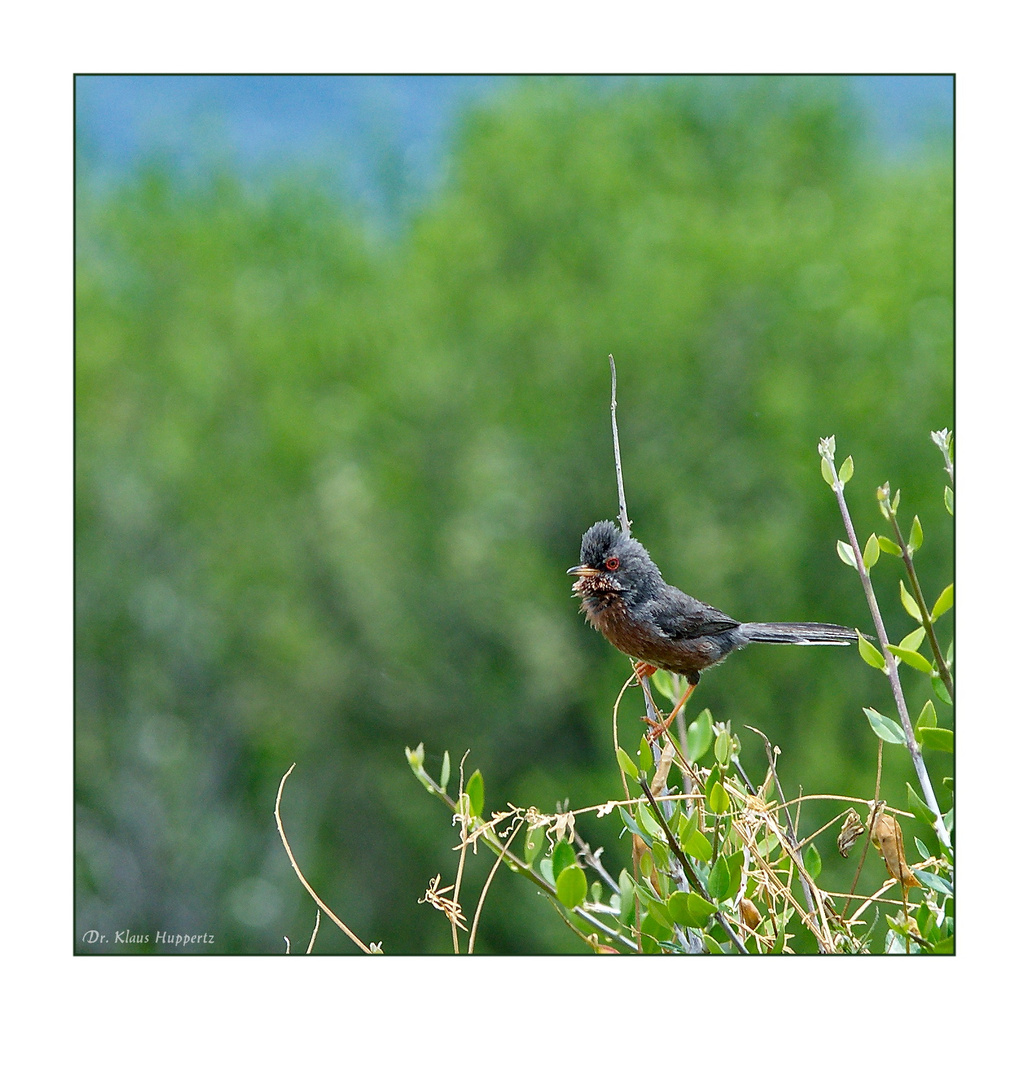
625 597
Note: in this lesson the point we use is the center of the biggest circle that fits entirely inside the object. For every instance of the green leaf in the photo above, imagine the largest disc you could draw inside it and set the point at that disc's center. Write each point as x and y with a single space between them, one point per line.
723 747
416 759
914 639
719 880
662 854
652 934
934 882
476 791
659 912
896 503
699 907
698 847
767 845
678 907
948 499
912 659
571 886
661 681
919 808
699 736
827 472
534 842
910 603
888 730
847 470
926 719
626 899
941 690
888 545
563 856
944 602
444 777
846 553
915 537
689 909
648 823
631 825
812 861
735 864
938 739
717 799
688 825
780 941
944 946
871 552
626 762
870 654
922 849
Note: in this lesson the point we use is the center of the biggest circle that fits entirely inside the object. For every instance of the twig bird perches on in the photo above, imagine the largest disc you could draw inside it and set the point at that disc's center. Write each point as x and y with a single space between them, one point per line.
625 597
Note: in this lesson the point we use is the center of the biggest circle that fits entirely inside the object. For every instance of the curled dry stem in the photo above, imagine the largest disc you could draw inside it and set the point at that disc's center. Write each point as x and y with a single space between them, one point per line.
303 881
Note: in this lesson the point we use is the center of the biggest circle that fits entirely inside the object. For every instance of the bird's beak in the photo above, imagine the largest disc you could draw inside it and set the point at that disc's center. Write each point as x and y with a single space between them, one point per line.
583 571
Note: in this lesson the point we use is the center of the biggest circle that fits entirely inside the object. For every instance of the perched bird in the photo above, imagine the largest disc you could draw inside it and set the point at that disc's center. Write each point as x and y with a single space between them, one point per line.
625 597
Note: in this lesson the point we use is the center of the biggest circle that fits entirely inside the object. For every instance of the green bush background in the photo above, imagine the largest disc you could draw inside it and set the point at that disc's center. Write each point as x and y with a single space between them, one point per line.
329 478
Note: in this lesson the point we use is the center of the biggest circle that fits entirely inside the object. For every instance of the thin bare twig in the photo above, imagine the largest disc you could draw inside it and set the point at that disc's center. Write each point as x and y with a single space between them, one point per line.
485 888
519 866
623 520
314 932
687 866
303 881
464 805
623 514
790 831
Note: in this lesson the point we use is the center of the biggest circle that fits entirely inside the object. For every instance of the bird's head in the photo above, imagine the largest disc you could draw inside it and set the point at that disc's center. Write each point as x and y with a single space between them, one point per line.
611 562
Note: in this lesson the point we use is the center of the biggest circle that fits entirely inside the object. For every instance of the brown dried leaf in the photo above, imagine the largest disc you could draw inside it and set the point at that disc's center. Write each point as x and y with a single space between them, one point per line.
850 830
888 838
749 912
661 775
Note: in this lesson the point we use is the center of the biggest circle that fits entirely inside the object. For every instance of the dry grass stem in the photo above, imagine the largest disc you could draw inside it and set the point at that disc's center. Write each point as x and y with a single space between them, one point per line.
303 881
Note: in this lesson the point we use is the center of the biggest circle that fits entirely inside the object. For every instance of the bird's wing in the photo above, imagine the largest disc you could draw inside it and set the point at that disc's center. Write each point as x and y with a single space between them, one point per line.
679 616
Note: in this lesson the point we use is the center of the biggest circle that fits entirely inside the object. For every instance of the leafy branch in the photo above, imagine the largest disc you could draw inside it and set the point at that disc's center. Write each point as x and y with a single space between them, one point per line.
886 659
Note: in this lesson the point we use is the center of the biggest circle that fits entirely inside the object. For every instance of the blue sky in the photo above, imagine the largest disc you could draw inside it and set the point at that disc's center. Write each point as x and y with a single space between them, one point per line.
346 121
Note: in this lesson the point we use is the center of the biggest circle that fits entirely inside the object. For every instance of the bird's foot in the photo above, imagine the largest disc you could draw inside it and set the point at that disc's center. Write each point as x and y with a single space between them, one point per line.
658 727
643 669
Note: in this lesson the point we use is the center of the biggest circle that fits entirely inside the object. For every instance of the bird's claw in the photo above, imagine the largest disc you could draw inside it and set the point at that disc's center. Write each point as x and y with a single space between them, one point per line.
657 728
643 669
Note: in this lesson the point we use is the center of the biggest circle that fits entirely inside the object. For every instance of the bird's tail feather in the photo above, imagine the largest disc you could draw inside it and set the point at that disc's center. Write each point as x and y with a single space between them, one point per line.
799 633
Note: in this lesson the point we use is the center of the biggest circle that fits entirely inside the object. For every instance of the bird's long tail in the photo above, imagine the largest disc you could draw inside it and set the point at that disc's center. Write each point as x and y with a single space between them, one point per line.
799 633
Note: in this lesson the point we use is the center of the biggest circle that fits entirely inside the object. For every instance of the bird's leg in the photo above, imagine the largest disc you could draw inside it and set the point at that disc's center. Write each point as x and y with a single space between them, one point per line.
657 730
643 671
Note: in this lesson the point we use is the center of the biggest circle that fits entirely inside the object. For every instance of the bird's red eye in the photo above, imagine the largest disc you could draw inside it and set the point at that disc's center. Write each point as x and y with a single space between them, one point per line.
612 563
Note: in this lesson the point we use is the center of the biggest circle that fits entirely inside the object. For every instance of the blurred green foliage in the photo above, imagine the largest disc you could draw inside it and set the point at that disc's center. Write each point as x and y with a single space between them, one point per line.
328 483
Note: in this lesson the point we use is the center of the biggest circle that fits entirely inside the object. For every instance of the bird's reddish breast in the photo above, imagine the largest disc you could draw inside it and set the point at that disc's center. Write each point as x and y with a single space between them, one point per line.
606 612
